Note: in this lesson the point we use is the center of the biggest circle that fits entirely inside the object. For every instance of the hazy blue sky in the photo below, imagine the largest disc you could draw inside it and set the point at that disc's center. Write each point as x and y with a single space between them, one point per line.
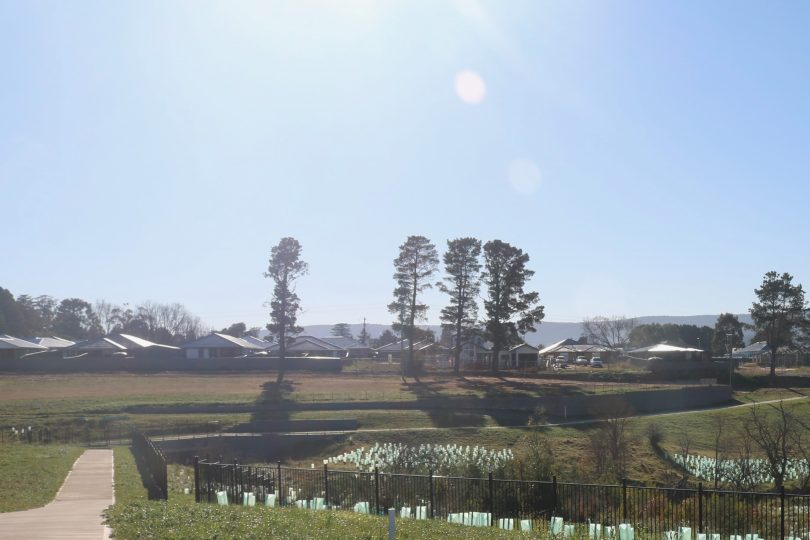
651 157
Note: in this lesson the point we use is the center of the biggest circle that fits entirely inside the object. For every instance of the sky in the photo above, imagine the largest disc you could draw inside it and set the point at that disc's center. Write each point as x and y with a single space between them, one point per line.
650 157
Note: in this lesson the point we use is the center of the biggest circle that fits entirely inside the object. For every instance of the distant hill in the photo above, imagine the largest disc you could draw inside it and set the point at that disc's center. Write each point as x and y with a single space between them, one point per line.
548 332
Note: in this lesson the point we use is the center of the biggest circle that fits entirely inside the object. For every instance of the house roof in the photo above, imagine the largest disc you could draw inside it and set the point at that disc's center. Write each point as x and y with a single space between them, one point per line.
51 342
11 342
217 340
259 342
523 346
572 346
344 342
309 343
98 343
393 347
754 348
134 342
665 348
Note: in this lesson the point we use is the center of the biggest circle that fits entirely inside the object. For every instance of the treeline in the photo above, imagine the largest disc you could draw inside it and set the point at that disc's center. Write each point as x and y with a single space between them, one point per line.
77 319
470 265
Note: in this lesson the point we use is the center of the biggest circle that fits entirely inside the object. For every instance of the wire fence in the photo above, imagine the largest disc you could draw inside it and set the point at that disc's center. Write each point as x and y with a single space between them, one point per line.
649 510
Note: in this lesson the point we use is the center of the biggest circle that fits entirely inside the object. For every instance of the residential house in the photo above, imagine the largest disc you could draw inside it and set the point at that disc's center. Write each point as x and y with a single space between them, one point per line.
311 346
12 348
216 345
51 342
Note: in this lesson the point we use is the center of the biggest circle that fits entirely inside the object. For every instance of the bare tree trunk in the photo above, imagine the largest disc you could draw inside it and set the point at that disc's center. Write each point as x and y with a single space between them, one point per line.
457 350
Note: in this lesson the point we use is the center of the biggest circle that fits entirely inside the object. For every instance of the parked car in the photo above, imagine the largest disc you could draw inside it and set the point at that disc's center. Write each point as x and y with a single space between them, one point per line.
561 361
596 362
581 361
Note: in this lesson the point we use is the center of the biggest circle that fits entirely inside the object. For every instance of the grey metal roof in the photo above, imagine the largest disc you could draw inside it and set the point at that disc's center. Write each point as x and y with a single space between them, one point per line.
523 345
304 343
98 343
393 347
217 340
51 342
344 342
11 342
135 342
260 342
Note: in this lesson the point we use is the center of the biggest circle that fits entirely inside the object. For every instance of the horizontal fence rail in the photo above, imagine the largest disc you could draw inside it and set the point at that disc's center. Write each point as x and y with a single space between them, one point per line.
650 510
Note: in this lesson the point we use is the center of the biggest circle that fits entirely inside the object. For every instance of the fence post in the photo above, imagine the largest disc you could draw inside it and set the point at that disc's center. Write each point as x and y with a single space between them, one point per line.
326 483
554 493
624 500
700 507
432 495
233 482
376 491
492 519
196 479
782 512
278 477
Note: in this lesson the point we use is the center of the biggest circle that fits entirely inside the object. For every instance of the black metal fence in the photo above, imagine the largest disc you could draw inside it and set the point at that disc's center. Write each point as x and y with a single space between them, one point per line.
648 509
152 464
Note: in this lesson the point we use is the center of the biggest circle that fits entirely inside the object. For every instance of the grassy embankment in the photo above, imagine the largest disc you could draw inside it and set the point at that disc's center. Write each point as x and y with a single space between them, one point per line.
32 474
135 517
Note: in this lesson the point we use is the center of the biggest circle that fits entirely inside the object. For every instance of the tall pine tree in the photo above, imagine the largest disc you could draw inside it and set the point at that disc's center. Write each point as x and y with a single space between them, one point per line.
284 269
413 268
462 283
511 311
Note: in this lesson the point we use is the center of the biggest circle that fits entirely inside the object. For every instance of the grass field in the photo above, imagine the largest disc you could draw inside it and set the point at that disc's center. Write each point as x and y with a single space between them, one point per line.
134 517
32 474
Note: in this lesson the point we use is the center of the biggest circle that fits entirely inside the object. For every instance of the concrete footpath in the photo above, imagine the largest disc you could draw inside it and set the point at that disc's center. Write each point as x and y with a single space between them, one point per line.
77 510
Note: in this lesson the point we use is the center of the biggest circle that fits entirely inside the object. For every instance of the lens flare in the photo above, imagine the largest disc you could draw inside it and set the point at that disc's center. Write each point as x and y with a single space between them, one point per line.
470 87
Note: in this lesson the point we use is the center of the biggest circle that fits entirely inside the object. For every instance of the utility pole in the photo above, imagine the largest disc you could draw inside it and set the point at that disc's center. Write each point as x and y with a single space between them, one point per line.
730 360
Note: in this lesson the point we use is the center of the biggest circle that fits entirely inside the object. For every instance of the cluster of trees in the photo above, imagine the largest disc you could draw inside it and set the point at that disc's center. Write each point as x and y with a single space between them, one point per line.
240 329
77 319
780 315
509 310
682 335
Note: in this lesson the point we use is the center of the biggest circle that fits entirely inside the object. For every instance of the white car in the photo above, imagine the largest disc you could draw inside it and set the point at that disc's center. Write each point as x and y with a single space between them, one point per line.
581 361
596 362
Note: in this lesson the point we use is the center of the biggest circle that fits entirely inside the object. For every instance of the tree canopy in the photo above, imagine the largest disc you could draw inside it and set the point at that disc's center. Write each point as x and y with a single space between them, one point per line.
284 268
779 313
342 330
612 332
413 268
728 332
462 282
510 310
681 335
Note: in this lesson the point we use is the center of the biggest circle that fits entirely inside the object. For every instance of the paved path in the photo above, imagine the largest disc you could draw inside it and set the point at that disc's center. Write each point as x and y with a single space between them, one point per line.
77 510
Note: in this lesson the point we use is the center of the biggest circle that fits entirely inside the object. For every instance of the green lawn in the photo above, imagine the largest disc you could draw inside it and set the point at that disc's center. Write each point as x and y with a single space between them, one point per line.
32 474
175 520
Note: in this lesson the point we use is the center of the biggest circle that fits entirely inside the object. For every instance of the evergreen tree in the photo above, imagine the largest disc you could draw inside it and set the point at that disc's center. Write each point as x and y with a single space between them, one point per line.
284 268
413 268
236 330
364 337
511 312
779 311
727 323
342 330
462 283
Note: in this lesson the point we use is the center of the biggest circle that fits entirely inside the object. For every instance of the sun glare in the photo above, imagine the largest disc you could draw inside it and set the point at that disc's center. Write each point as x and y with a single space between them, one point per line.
470 87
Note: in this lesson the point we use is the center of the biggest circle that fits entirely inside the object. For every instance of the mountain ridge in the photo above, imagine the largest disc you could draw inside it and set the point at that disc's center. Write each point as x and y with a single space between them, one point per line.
548 332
